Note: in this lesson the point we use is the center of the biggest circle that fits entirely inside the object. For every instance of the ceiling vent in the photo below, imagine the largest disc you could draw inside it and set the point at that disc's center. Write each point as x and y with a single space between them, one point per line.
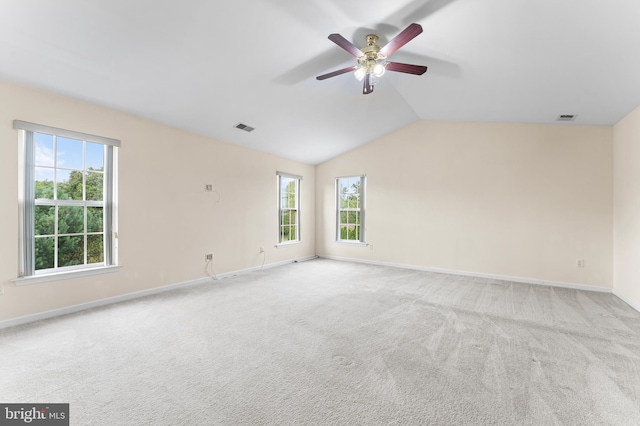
244 127
566 117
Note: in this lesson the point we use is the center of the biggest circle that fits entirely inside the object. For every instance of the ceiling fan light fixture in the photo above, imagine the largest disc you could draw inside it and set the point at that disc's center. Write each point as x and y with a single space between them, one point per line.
371 59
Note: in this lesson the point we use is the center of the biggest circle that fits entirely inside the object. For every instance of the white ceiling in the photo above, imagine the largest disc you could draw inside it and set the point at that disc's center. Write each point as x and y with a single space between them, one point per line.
206 65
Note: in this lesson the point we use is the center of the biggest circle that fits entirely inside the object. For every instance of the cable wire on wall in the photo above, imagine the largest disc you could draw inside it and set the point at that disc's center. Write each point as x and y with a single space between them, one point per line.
210 271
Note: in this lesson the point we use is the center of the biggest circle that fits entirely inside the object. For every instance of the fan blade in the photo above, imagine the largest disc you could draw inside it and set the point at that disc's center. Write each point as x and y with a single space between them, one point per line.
338 72
346 44
367 87
401 39
406 68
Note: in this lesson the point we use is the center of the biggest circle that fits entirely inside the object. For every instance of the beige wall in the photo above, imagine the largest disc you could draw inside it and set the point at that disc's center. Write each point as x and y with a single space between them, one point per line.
627 208
502 199
166 221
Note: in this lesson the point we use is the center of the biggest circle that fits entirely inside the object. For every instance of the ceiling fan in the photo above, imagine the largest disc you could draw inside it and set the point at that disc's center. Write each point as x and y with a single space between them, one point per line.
372 58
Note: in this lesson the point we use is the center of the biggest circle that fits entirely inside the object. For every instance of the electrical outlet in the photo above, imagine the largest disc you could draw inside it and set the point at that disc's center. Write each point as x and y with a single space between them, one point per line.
261 250
1 289
580 263
208 187
208 257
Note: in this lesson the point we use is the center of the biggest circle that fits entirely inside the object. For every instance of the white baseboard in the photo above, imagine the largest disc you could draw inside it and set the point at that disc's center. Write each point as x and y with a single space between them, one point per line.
477 274
97 303
627 301
259 268
129 296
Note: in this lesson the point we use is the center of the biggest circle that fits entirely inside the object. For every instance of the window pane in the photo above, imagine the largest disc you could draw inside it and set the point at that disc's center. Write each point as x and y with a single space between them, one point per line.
44 149
343 217
95 219
294 217
344 233
44 220
94 186
343 185
284 233
69 153
284 182
94 156
292 233
291 194
350 232
70 251
354 201
354 217
70 220
69 185
95 248
44 183
44 252
344 201
354 186
285 218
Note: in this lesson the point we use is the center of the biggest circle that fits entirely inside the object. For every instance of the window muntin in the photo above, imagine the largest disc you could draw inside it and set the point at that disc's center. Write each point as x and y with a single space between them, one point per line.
66 200
288 208
350 209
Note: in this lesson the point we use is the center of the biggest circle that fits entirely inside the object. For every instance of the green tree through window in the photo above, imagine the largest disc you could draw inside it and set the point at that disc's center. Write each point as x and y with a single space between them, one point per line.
289 210
350 214
79 228
68 189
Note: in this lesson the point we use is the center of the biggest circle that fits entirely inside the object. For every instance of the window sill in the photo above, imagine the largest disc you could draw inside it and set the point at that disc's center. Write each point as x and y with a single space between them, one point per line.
66 275
353 243
292 243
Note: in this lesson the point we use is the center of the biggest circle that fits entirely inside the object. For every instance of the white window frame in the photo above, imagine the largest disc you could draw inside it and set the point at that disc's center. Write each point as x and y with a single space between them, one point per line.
298 180
361 209
27 203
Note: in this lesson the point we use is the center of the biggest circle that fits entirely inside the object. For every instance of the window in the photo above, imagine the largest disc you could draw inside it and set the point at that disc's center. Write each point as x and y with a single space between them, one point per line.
350 204
66 202
289 208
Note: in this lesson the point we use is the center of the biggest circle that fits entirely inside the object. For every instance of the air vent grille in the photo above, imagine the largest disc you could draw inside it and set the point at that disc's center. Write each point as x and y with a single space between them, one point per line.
566 117
244 127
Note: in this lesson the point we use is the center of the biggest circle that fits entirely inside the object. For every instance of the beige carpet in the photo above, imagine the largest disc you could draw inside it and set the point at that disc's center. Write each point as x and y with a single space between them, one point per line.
335 343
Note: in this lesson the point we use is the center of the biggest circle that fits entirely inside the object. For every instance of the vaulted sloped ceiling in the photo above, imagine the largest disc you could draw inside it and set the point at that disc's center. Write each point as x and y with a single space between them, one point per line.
205 65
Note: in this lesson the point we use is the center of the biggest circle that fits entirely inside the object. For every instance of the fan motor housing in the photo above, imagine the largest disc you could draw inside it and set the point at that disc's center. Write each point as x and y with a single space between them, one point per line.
371 50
